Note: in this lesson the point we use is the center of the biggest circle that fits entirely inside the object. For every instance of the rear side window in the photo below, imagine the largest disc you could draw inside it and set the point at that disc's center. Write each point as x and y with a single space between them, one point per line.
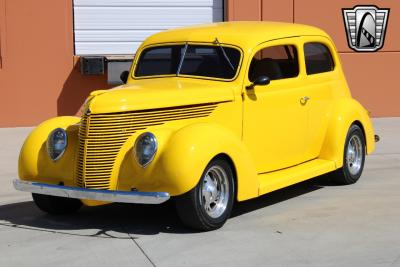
318 58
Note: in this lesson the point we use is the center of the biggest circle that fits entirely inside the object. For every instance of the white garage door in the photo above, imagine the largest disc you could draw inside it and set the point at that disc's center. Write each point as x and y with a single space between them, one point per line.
117 27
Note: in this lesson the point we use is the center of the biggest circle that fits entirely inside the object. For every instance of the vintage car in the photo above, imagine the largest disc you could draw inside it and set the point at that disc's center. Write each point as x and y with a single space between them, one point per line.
208 115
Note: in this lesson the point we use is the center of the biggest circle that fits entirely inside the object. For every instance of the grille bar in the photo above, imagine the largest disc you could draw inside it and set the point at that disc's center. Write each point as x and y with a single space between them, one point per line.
101 137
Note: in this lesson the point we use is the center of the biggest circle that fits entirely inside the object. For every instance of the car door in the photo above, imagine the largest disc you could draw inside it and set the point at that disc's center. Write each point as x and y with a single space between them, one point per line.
275 116
322 79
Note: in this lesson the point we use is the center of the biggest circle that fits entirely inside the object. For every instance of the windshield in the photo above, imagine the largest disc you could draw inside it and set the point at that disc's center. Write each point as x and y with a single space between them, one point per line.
199 60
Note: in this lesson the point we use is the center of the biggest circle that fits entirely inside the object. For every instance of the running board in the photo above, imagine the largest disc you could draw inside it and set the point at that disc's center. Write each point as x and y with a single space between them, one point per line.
272 181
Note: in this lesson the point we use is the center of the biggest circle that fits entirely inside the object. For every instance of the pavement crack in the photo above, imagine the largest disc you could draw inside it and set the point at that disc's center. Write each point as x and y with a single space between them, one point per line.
99 234
139 247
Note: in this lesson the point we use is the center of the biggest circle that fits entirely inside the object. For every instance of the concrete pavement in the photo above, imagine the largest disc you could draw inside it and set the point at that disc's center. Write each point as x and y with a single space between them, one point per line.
313 223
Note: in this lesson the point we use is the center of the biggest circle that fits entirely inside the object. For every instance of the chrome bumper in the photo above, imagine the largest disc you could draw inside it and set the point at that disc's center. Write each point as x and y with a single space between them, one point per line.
92 194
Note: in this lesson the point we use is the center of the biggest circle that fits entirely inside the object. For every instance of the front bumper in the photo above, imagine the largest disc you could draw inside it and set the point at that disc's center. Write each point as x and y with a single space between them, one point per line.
91 194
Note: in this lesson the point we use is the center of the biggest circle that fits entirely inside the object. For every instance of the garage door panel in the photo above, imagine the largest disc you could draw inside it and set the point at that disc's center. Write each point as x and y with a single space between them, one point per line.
98 18
124 23
113 35
154 3
107 48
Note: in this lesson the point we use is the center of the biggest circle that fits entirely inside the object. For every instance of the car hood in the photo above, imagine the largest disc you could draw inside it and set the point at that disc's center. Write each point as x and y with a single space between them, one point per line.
159 93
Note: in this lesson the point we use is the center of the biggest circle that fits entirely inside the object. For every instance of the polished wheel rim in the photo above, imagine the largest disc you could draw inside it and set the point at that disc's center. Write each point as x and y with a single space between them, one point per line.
215 191
354 155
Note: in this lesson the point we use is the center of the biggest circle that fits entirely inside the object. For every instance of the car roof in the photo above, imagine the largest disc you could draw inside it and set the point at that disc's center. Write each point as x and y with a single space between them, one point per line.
245 34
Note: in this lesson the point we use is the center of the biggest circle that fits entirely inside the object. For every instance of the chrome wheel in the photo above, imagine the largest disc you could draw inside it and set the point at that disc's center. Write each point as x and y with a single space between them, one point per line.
214 193
209 204
354 155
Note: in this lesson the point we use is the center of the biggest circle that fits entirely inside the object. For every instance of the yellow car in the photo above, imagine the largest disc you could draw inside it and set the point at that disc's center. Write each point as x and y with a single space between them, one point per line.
208 115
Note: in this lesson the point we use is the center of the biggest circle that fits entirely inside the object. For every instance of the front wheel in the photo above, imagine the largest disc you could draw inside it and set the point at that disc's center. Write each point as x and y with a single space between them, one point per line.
208 205
353 158
56 205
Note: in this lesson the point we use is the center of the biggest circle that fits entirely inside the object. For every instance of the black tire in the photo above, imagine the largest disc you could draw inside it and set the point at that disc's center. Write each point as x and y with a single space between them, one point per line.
56 205
191 205
346 175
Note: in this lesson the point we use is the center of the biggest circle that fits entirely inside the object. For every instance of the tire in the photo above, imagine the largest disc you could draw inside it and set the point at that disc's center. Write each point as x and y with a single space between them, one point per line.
353 157
56 205
217 185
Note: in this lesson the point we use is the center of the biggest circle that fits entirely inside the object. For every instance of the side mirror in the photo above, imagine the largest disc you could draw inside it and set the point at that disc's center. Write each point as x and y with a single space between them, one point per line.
261 80
124 76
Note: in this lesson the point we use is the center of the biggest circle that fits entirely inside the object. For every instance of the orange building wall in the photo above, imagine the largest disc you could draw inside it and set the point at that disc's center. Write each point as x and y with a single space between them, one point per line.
372 77
39 79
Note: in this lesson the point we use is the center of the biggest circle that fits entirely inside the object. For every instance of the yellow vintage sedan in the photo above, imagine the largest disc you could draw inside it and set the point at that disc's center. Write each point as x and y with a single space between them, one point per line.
207 115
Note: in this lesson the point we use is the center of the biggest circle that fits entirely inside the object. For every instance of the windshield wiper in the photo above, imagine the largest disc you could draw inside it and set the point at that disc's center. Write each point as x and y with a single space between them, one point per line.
182 58
223 52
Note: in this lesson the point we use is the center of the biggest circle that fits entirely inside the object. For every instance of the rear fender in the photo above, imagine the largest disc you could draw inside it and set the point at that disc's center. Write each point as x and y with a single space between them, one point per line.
345 112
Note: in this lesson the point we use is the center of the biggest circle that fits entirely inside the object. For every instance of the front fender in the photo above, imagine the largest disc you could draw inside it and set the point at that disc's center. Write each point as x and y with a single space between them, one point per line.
345 112
184 154
34 163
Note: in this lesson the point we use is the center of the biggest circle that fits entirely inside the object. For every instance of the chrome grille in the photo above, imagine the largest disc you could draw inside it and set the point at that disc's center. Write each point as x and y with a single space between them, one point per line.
101 137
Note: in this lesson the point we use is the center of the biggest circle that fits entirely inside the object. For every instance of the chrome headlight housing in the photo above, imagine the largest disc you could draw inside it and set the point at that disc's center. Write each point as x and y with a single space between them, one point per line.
145 148
56 143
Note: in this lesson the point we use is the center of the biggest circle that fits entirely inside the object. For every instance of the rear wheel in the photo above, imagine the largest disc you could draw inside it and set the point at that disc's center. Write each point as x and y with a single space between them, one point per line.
353 158
208 205
56 205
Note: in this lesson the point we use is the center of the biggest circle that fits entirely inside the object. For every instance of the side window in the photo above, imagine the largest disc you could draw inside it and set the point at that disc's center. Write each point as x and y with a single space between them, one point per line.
275 62
318 58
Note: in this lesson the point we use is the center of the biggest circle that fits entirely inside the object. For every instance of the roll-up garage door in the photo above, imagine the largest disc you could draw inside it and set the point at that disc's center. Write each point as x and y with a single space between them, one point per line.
117 27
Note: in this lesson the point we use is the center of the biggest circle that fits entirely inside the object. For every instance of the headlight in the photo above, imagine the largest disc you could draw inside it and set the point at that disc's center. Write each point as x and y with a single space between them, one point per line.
145 148
56 143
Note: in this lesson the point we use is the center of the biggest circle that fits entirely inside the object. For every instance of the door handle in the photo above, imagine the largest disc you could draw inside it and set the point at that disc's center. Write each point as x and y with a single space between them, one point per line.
304 100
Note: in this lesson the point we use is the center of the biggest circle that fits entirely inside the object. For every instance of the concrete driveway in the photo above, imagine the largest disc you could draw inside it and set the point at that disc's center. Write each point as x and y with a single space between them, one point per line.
314 223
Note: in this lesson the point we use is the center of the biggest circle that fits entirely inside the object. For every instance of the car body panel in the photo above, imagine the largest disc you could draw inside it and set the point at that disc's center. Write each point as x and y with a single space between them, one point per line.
272 112
34 162
344 113
276 180
163 92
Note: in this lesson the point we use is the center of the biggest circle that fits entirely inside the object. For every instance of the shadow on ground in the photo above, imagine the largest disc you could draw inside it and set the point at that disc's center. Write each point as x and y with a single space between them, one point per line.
110 221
